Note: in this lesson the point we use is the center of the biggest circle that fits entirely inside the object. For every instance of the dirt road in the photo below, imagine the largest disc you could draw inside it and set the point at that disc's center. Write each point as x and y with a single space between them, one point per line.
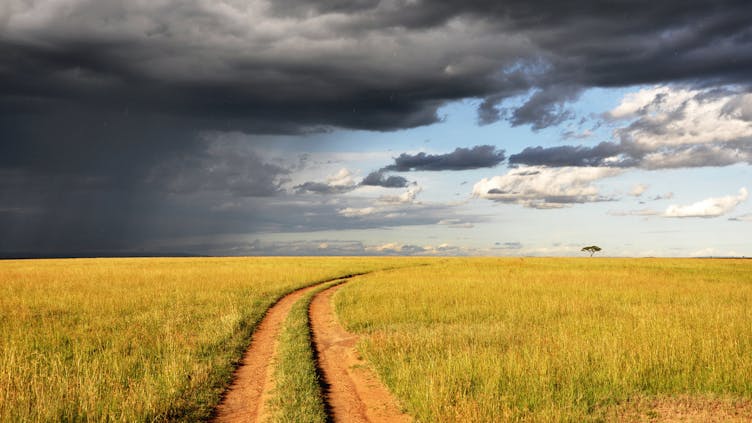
352 392
243 401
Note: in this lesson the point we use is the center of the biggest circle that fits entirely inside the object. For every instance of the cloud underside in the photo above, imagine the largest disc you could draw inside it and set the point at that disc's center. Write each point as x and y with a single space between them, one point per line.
477 157
287 66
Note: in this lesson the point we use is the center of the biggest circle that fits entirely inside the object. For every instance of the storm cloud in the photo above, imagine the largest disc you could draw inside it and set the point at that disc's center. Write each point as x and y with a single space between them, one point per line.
103 103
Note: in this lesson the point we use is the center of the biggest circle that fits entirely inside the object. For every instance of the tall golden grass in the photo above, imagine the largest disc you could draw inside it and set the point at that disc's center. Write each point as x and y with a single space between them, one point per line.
555 339
456 340
136 339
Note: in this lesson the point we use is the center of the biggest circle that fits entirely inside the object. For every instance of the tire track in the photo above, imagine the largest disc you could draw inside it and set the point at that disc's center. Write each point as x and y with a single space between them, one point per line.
352 391
252 382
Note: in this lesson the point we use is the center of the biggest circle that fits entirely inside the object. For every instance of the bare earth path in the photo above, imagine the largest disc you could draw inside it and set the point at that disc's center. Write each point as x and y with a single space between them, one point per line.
354 392
243 401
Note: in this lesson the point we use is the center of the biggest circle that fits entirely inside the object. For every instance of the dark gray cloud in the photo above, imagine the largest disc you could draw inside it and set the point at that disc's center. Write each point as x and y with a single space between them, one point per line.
222 167
247 67
380 179
101 101
567 155
547 107
476 157
323 188
610 154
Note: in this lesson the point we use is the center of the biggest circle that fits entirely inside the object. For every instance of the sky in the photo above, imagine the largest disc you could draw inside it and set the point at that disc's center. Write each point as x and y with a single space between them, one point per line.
375 127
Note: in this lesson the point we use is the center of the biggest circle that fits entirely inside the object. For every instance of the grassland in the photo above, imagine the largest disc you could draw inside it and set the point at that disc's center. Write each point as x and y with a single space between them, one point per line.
457 340
136 339
559 339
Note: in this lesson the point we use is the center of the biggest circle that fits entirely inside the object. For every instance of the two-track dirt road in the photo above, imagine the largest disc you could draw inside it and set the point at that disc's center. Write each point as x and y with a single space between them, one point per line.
253 378
353 393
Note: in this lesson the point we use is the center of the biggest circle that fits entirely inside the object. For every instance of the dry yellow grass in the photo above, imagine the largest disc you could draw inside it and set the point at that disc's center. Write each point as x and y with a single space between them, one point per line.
456 340
556 339
136 339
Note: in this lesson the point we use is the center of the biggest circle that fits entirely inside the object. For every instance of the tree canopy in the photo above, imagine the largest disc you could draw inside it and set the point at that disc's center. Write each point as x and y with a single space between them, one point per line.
592 249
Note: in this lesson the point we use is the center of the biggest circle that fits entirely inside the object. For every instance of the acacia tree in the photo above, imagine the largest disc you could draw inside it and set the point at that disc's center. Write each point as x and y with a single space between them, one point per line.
592 249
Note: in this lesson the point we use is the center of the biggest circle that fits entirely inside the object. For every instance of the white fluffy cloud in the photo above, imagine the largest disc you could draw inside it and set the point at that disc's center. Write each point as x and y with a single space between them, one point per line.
342 178
666 115
638 190
390 206
543 187
407 197
710 207
339 183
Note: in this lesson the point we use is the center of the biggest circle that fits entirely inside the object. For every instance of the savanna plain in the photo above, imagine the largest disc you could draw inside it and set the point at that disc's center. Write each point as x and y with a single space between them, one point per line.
454 339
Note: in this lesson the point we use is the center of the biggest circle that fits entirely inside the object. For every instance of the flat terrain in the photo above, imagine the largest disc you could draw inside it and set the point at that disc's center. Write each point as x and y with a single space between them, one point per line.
137 339
430 339
560 339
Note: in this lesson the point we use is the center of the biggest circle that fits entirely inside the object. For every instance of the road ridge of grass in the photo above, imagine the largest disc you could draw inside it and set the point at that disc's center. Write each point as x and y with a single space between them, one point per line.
243 400
298 393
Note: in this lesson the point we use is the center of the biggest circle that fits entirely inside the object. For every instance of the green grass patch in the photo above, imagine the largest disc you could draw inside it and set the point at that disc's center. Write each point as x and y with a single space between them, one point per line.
297 395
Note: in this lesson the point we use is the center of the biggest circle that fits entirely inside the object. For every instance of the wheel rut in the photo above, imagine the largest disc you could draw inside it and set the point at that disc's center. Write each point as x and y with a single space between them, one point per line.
352 391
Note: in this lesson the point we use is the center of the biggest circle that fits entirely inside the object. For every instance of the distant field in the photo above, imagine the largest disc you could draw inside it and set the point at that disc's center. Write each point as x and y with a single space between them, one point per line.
560 339
136 339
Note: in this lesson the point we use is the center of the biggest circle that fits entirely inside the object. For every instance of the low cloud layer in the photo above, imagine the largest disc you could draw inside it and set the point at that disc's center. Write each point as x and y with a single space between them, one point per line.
393 248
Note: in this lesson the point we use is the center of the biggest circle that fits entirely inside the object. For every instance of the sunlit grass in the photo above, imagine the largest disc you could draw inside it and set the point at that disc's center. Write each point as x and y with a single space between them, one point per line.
136 339
554 339
457 340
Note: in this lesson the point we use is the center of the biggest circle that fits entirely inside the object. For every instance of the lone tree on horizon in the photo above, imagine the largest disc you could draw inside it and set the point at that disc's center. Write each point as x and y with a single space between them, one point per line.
592 249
